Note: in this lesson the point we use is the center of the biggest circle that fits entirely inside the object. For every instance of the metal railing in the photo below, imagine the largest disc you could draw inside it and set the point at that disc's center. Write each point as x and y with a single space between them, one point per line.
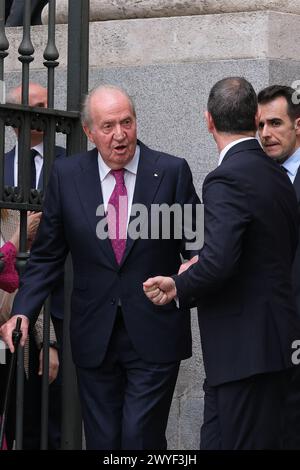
23 198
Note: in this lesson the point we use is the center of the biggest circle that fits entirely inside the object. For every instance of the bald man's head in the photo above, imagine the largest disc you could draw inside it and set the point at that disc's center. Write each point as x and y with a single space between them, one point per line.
37 95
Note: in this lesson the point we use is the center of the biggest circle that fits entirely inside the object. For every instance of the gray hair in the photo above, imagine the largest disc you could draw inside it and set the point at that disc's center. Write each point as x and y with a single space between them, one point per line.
85 110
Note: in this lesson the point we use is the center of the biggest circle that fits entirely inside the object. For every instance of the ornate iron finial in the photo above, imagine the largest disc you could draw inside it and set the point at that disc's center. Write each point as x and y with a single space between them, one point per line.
4 44
51 53
26 50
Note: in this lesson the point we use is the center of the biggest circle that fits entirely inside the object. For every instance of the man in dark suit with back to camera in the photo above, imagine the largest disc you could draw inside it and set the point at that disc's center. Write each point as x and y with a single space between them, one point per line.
127 353
279 132
241 282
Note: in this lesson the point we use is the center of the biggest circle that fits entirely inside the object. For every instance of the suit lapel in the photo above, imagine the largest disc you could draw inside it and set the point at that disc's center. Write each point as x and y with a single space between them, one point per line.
59 152
148 179
297 184
88 186
9 168
40 182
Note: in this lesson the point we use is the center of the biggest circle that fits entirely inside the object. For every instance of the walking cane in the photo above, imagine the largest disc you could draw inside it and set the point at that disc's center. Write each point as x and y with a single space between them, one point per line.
16 336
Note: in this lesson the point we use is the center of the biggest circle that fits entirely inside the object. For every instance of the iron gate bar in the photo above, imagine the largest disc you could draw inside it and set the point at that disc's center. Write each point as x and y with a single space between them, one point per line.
4 45
24 198
45 377
78 59
51 53
25 50
51 121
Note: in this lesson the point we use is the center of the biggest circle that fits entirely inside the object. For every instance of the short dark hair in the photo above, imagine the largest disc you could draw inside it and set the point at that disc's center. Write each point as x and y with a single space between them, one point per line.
232 103
276 91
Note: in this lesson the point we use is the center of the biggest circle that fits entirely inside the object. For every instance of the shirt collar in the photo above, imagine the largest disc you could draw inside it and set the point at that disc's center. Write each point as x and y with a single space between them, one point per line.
131 166
231 144
292 163
39 148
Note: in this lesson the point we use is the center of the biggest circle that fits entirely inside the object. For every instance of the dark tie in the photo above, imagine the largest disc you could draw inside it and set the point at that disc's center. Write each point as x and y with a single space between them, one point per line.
33 153
117 211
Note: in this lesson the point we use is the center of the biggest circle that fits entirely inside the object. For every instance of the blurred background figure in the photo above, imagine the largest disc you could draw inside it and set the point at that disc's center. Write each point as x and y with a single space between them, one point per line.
10 226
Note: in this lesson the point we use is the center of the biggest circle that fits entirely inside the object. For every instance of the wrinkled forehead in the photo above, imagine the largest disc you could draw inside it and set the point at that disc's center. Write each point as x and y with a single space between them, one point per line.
37 96
274 109
111 106
110 99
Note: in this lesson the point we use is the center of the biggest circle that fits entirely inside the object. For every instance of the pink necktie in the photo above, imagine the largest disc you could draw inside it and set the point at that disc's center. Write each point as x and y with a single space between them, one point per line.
117 215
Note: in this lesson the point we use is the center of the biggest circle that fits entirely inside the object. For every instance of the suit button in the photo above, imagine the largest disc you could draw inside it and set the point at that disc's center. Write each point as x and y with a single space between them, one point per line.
113 301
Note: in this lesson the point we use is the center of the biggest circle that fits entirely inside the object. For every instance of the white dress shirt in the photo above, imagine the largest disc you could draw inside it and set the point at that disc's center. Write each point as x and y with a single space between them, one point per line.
228 147
108 180
38 160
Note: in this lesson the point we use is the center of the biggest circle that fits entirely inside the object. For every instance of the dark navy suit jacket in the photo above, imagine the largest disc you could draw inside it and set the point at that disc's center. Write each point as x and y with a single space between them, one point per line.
9 177
296 265
57 299
242 282
158 334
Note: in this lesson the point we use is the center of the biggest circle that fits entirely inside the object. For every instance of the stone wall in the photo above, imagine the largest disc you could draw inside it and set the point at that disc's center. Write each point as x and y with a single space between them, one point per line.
102 10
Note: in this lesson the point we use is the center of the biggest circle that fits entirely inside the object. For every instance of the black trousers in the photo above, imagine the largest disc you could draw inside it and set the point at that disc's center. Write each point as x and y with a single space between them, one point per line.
292 430
246 414
126 401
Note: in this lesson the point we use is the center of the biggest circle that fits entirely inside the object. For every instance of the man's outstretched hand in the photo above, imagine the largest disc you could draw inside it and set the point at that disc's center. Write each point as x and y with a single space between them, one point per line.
160 290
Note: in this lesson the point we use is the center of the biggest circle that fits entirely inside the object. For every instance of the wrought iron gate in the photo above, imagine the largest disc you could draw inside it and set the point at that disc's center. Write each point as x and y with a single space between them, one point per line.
22 198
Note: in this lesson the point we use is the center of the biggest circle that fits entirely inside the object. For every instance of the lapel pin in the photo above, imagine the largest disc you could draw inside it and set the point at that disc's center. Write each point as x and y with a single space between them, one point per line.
155 175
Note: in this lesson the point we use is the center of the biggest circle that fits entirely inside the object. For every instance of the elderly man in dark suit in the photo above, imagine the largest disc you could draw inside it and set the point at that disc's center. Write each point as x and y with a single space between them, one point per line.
242 280
126 350
279 132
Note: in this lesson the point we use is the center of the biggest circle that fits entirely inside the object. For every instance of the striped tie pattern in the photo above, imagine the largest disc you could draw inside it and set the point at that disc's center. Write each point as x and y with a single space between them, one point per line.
117 211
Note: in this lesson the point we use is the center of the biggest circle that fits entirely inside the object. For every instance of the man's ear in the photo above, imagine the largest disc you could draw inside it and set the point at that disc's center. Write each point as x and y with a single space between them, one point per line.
88 133
297 126
257 118
209 121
